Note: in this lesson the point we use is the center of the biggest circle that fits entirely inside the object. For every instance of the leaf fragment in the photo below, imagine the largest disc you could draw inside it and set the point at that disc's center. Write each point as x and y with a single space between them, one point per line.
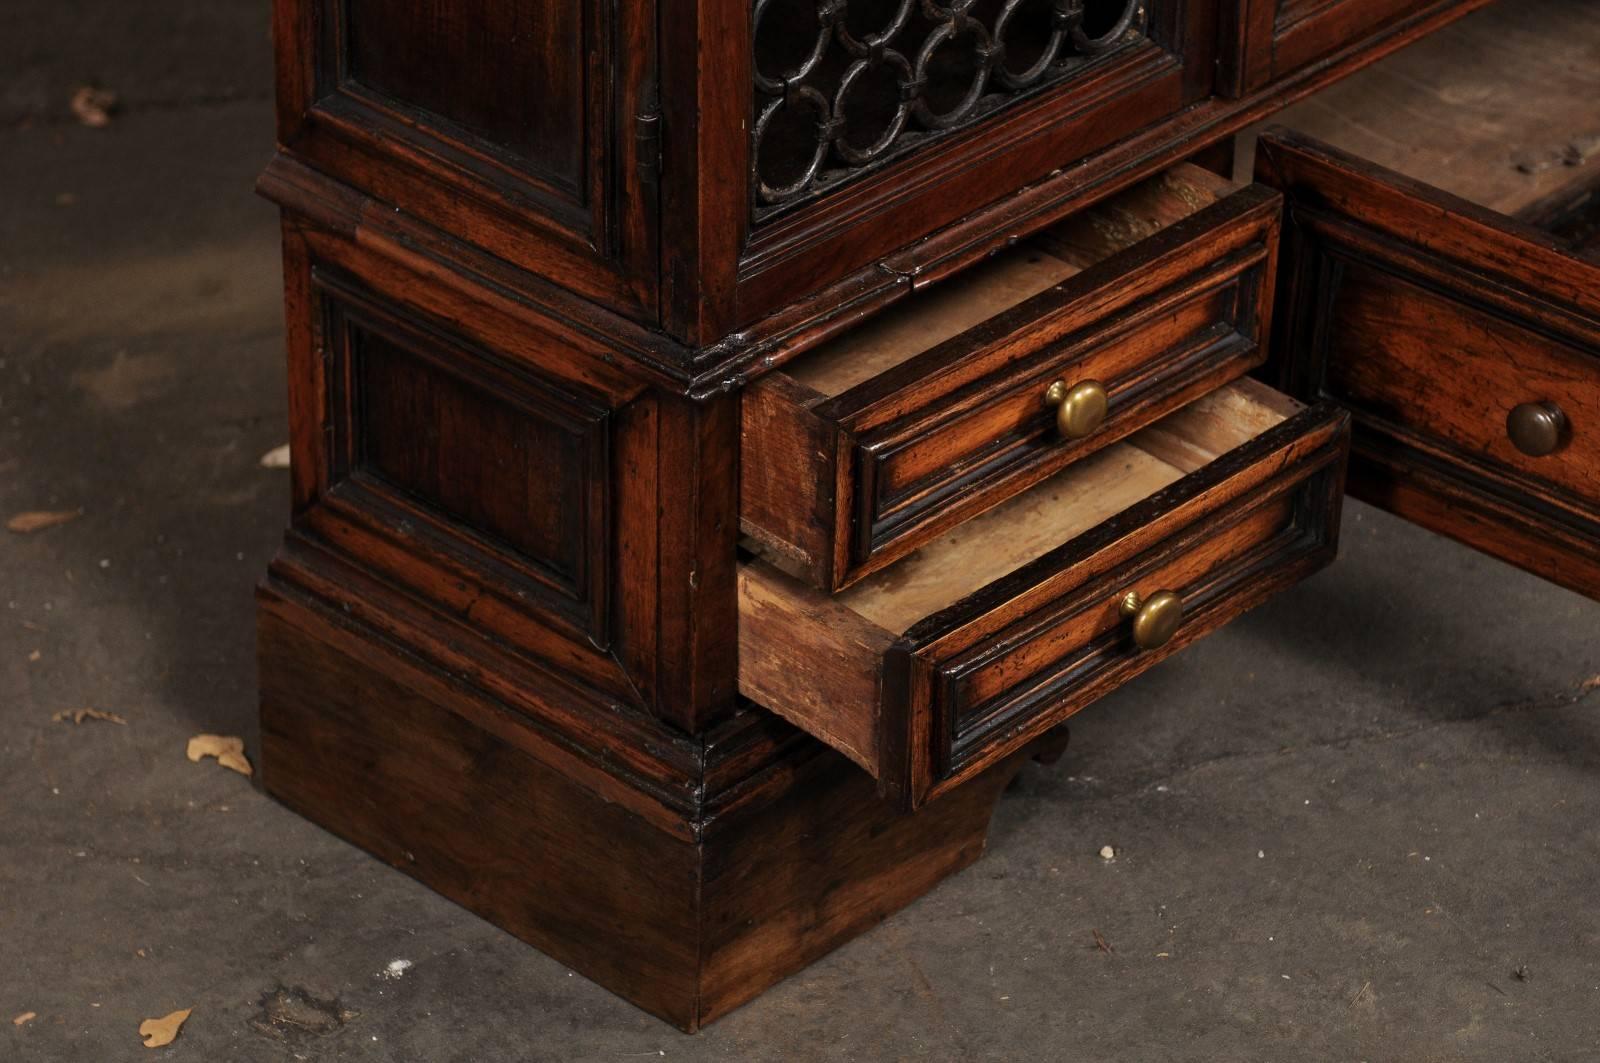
92 107
158 1033
77 716
25 1018
228 749
39 520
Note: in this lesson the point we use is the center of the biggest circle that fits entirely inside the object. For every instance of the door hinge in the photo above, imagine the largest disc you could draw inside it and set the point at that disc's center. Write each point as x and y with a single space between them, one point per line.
647 148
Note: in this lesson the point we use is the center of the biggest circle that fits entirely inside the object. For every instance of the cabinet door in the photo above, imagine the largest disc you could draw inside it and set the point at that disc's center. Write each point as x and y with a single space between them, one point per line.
1276 37
834 134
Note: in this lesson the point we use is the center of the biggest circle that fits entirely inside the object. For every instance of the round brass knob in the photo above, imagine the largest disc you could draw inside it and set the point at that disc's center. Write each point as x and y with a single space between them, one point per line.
1536 428
1155 619
1080 409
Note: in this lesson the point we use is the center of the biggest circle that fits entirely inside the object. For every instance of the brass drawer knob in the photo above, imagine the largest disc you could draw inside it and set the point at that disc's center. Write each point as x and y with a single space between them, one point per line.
1155 619
1080 409
1536 428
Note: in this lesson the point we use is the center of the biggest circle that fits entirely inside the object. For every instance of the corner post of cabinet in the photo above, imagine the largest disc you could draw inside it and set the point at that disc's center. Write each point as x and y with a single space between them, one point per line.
677 539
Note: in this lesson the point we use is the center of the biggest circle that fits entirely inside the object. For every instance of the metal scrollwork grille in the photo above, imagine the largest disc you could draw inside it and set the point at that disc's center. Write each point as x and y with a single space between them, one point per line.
842 86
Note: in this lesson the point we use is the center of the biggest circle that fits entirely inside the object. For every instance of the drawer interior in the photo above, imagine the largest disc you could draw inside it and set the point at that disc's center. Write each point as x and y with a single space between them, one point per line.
1501 108
1003 281
1085 493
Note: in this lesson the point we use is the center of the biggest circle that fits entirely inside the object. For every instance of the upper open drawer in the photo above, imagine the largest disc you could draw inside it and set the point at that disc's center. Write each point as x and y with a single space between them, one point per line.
955 400
933 668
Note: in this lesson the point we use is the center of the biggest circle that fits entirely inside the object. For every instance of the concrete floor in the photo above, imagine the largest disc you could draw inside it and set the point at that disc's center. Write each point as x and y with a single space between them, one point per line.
1357 825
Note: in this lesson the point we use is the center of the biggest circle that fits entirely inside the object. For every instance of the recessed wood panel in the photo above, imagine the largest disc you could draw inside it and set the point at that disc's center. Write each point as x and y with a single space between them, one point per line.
508 71
502 470
493 467
516 126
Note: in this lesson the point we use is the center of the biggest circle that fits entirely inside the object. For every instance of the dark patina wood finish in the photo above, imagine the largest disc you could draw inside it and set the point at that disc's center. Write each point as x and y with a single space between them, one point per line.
731 436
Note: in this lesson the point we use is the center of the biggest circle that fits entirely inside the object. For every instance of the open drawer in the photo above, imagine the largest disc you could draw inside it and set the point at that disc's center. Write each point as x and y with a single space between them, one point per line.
1440 278
956 399
932 668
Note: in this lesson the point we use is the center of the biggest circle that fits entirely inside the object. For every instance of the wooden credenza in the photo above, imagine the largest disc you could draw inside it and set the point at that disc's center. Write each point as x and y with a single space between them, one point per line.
731 437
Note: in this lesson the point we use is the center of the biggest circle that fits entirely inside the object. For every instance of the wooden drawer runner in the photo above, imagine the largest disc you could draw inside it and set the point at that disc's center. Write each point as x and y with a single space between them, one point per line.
1461 328
932 668
872 445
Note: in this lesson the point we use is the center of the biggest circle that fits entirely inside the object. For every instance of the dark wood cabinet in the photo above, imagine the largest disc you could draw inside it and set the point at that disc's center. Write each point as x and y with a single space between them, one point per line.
731 437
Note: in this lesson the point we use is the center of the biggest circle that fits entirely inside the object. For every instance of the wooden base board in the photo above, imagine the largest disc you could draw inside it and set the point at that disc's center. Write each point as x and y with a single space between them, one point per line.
774 869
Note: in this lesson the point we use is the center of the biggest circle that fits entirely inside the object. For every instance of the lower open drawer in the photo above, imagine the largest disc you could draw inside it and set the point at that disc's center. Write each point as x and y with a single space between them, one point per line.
926 672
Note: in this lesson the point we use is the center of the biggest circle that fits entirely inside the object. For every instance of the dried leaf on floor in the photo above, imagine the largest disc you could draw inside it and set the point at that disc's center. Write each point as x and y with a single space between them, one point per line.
25 1018
79 715
34 656
39 520
158 1033
1101 943
228 749
276 458
1592 683
92 107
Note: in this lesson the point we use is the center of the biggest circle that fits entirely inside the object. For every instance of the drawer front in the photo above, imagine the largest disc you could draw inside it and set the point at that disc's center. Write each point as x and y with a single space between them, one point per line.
930 704
922 447
1032 650
1180 316
1452 334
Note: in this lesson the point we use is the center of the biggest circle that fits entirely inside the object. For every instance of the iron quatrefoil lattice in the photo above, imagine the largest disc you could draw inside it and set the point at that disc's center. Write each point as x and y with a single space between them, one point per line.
842 86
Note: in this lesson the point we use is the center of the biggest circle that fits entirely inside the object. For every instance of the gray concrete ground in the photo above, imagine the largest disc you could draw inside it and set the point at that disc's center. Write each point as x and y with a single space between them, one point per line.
1358 825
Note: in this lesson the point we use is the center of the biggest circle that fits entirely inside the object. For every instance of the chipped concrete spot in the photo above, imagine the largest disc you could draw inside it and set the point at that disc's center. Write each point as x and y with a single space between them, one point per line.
294 1016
